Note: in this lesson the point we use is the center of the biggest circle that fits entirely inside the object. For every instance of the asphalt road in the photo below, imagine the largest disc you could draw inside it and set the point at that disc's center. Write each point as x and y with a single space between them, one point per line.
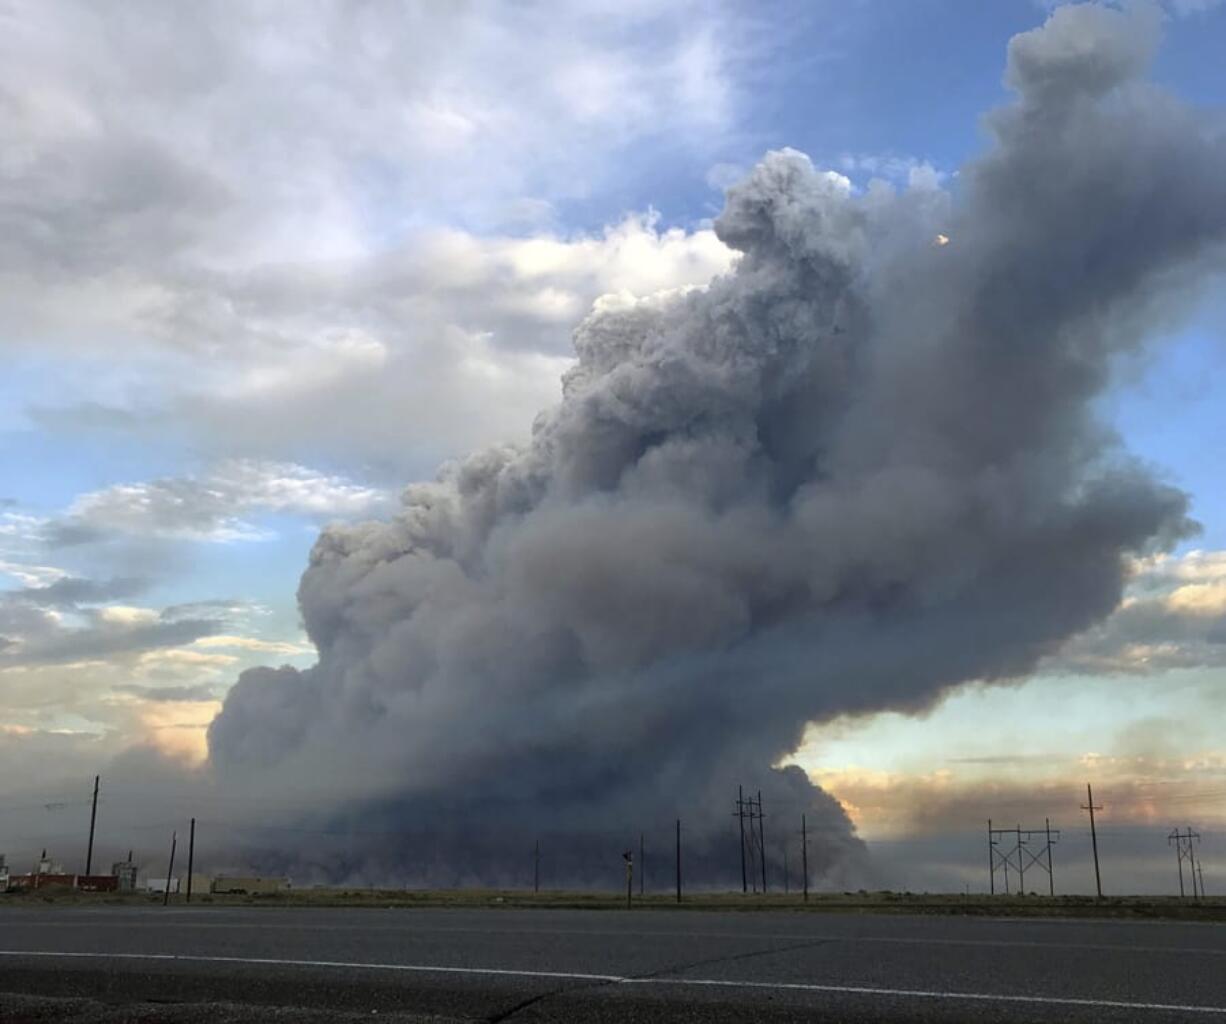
137 963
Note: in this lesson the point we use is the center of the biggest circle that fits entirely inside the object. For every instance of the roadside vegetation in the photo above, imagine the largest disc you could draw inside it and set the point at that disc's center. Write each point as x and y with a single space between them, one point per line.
1212 908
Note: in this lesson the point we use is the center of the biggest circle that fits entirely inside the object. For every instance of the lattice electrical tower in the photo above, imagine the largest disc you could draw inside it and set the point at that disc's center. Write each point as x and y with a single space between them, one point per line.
1183 851
1021 849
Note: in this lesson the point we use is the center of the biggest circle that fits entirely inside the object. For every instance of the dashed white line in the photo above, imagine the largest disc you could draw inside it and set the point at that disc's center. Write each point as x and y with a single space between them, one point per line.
615 979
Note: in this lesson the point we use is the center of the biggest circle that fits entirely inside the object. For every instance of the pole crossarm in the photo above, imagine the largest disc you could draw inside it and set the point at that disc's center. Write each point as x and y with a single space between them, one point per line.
1020 849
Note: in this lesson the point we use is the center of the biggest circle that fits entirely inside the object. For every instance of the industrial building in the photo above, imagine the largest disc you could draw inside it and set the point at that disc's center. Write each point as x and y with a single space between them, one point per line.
49 872
125 871
125 877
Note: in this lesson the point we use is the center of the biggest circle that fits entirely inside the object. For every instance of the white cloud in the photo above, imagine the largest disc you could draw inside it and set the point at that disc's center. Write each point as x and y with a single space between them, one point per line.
17 528
422 351
908 171
211 507
126 615
239 138
32 575
1202 599
232 221
1173 616
250 643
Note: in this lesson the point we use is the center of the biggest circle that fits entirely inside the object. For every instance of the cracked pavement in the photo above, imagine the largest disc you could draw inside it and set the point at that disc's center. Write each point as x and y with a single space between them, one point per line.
139 965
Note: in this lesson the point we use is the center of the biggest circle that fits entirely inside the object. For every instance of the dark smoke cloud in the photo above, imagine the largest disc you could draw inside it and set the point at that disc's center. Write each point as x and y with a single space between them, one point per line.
862 468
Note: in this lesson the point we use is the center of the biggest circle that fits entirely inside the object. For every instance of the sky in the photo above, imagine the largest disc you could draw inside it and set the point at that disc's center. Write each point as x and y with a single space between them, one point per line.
260 269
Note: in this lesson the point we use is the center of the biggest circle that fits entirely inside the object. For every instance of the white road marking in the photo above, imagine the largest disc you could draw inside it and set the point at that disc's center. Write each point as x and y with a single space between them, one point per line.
915 993
268 961
615 979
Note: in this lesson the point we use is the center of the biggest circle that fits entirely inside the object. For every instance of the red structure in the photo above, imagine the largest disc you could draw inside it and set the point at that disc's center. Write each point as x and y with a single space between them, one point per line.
85 883
41 881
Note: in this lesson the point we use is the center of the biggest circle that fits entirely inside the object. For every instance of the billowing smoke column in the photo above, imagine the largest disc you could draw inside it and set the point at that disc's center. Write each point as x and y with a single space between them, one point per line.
860 469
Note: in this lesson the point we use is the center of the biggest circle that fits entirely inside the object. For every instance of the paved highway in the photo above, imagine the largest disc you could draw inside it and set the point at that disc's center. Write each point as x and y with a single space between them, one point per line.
138 963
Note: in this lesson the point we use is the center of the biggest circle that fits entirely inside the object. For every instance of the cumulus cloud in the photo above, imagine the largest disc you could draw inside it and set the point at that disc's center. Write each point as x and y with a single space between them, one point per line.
899 170
70 591
423 349
284 217
855 471
246 143
211 507
44 638
1173 616
33 576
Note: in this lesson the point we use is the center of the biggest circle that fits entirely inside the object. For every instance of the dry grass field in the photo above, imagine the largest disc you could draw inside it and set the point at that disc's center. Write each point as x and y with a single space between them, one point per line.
1134 907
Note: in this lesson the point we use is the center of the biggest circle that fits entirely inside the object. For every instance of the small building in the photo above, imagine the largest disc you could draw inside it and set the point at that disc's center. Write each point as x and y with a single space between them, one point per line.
197 884
47 866
160 885
125 873
249 885
4 874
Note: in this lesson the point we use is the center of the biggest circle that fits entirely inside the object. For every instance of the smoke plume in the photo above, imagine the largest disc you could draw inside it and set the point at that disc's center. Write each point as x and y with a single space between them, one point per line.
862 468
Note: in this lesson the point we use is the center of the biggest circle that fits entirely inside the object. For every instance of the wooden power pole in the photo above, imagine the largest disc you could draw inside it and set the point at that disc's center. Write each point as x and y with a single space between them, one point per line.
804 854
1089 806
170 871
678 860
93 817
191 857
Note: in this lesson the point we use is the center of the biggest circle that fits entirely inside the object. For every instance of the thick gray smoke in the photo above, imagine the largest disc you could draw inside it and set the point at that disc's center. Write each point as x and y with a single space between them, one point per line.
860 469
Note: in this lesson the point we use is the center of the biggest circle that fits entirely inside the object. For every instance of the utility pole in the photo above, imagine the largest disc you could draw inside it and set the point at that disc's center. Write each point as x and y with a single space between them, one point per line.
628 857
804 854
991 861
1183 850
1021 868
740 816
93 817
1089 806
191 857
678 860
785 869
642 864
761 842
1192 865
536 867
170 871
1051 878
1200 870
